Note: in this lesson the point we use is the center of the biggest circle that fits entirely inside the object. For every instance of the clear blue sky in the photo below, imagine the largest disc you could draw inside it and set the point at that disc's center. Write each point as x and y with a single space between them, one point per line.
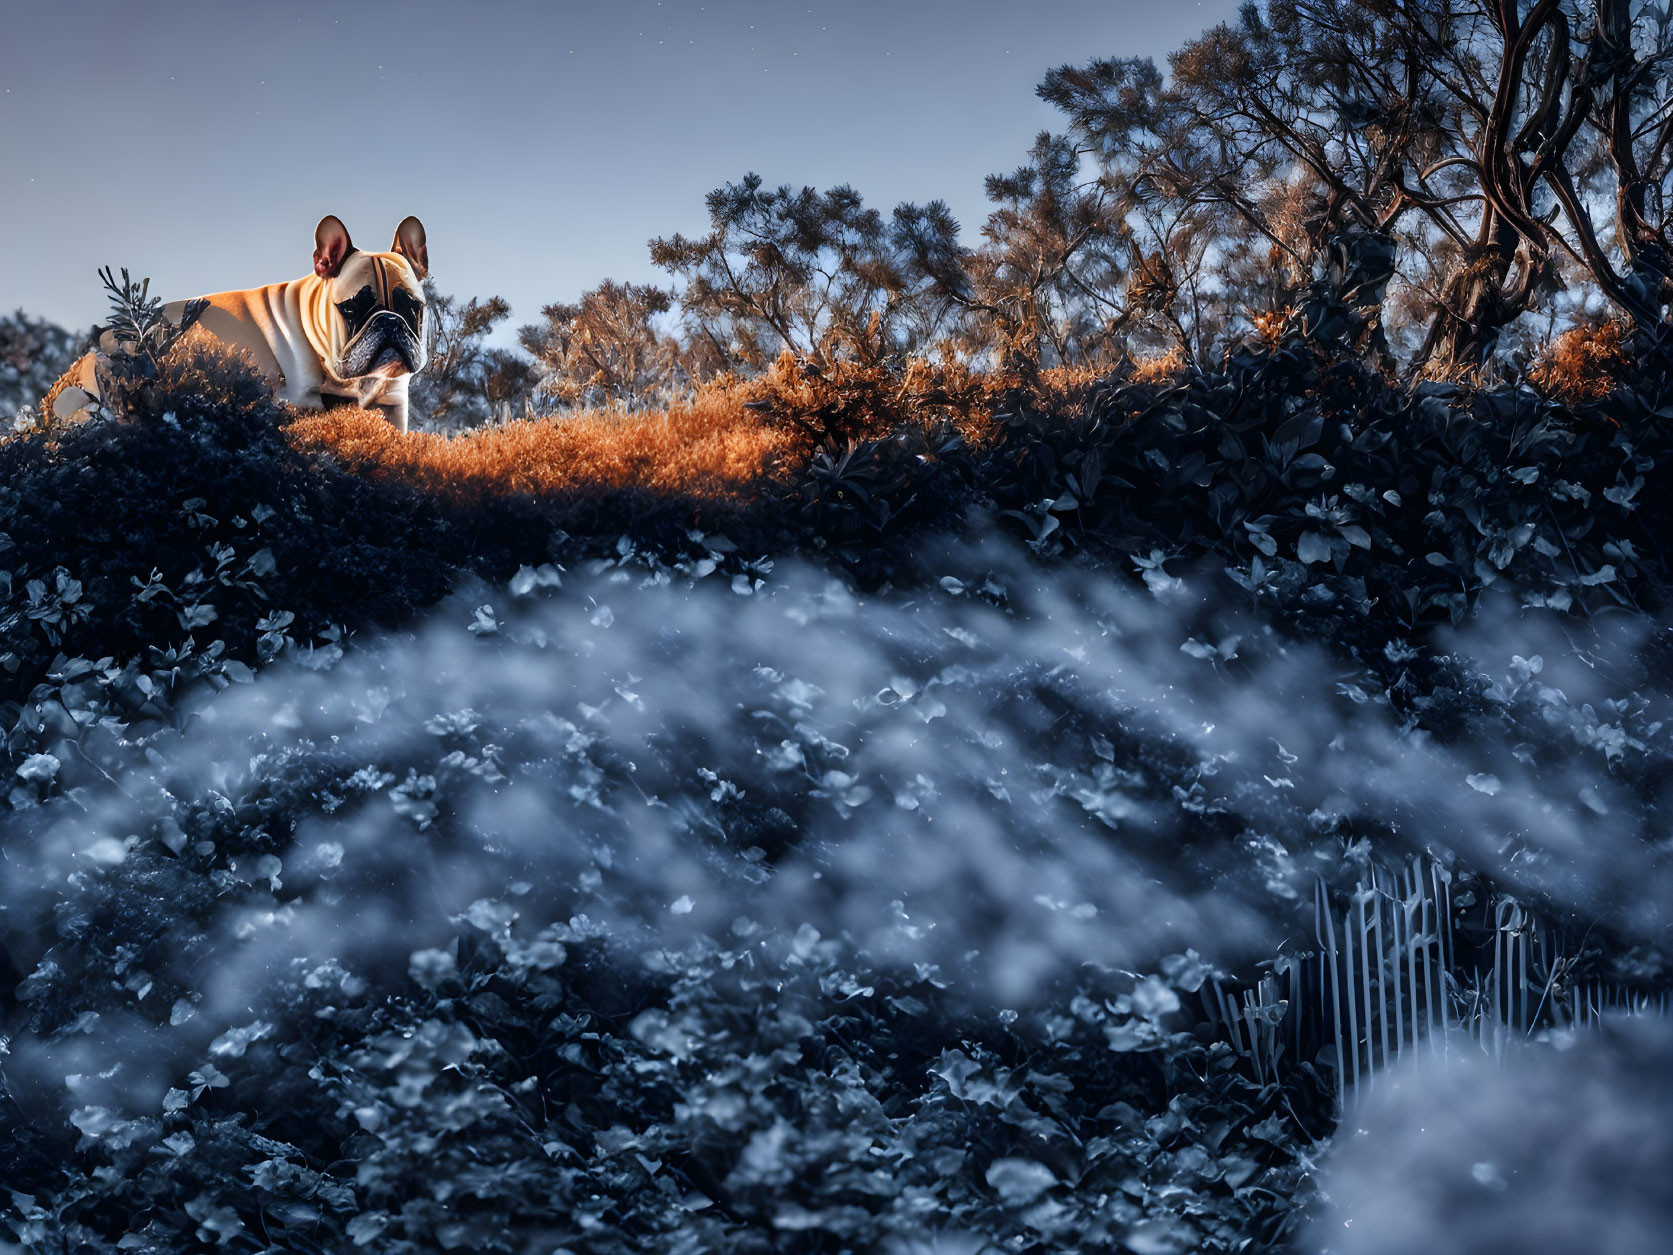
543 145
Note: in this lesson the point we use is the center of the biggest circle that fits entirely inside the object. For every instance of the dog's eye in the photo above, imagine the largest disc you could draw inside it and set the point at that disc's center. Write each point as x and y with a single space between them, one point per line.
410 311
357 311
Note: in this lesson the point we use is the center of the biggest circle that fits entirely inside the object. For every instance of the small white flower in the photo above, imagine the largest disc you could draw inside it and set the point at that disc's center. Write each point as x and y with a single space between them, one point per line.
39 767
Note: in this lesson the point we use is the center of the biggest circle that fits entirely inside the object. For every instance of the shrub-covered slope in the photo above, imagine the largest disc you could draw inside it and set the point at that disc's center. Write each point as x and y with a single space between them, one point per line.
865 847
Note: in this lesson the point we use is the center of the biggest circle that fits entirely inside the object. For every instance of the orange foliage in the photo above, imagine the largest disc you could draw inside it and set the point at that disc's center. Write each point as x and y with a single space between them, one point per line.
711 448
1270 323
198 364
1582 364
868 402
1165 368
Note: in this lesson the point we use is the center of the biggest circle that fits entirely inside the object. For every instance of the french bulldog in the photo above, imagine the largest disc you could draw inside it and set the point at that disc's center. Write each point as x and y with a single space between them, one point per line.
351 333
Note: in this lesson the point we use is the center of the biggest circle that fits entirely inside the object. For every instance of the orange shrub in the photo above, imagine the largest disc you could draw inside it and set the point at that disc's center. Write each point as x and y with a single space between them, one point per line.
197 367
1063 388
1269 324
847 400
1582 364
1165 368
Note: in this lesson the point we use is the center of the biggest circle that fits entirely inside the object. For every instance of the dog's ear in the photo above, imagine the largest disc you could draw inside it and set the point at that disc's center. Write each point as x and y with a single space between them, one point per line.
331 246
409 242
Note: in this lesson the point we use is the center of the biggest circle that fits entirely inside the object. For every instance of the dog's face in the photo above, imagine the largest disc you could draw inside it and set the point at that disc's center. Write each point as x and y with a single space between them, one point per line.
374 310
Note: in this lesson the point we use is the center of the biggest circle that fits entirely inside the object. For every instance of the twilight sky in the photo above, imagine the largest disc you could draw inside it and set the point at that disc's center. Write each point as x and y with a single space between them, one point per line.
543 144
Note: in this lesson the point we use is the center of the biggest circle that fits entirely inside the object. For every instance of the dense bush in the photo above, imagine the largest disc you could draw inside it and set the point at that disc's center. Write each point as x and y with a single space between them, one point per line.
33 353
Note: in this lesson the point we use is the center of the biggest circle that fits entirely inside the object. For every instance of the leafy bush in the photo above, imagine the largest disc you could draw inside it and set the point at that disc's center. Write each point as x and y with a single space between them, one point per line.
33 353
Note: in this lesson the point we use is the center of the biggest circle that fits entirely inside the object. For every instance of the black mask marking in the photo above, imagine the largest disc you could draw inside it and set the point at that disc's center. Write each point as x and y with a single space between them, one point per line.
357 311
410 311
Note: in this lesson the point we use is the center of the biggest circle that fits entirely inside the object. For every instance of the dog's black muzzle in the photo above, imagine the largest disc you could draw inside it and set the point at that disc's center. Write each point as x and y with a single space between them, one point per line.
385 340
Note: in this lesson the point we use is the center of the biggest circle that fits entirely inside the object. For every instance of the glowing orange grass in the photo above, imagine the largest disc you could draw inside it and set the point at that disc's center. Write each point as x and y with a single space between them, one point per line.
711 448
